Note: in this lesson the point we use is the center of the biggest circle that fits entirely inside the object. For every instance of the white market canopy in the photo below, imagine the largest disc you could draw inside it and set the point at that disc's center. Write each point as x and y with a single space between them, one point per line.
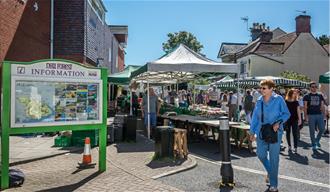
182 64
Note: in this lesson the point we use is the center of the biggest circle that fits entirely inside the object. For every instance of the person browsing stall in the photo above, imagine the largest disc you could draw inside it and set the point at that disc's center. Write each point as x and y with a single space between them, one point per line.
154 109
213 97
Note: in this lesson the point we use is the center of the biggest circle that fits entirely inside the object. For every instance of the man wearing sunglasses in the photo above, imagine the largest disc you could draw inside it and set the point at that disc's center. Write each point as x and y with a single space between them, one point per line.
314 110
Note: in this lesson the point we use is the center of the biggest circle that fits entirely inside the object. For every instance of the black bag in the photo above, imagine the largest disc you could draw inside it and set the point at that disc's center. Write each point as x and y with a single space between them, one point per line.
16 178
267 132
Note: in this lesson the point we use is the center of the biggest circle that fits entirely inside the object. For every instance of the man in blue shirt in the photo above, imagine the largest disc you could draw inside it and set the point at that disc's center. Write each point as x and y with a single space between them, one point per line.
275 112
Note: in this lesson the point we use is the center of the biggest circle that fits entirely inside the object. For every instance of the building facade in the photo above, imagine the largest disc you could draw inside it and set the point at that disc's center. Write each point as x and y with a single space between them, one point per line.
24 31
80 32
272 52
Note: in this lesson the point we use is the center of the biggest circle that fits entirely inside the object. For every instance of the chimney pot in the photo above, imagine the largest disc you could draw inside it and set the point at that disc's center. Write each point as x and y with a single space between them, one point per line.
266 36
303 24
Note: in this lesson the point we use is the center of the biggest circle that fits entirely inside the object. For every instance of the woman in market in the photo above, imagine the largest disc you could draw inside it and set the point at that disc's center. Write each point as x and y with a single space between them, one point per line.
189 97
200 98
267 122
294 120
224 104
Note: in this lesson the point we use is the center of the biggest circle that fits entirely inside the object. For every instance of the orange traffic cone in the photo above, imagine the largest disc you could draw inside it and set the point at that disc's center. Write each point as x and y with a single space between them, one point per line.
87 156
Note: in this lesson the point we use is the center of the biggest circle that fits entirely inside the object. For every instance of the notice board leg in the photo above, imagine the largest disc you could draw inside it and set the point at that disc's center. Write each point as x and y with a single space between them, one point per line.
102 149
5 160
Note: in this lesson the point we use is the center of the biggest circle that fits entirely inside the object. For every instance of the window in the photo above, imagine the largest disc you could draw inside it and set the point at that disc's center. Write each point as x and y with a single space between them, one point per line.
242 67
117 62
97 8
110 55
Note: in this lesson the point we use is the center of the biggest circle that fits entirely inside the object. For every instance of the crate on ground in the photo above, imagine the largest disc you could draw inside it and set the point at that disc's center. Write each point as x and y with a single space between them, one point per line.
78 137
62 141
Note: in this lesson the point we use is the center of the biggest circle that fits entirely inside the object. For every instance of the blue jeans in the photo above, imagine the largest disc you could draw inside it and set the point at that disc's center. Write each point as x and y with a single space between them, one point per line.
313 121
153 120
271 164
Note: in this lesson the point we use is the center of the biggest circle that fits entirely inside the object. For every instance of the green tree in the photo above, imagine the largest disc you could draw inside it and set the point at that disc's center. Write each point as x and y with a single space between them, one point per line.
295 76
323 40
184 37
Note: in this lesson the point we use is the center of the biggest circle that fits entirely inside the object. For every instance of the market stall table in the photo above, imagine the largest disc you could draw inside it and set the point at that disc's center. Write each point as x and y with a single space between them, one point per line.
206 125
246 136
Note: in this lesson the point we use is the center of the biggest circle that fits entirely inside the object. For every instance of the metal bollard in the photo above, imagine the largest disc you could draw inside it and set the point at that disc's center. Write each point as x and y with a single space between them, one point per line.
226 170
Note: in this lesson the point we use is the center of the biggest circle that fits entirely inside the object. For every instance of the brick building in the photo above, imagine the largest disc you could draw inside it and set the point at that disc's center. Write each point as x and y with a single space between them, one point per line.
24 30
80 32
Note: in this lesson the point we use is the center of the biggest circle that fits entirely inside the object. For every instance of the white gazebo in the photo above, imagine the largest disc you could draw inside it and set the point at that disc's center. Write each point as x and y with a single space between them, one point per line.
182 65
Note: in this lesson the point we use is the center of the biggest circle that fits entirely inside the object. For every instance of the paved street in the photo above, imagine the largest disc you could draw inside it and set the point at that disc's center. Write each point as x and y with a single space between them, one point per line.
102 77
129 167
304 171
26 148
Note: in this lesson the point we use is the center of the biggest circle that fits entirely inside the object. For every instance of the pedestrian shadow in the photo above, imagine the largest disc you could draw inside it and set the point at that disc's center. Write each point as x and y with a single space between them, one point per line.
321 155
72 187
304 145
326 136
297 158
226 189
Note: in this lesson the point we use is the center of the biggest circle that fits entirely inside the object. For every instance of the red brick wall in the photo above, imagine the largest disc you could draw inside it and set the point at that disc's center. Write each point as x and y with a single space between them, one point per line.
121 60
303 24
32 37
10 15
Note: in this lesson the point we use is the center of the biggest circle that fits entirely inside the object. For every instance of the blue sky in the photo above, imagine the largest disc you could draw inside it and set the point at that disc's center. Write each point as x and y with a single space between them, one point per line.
212 22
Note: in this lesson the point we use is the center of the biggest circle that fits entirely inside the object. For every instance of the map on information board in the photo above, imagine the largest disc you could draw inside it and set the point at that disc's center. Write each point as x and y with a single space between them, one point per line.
37 102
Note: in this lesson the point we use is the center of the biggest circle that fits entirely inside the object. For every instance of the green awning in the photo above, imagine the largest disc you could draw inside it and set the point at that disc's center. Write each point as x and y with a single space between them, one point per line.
124 77
325 78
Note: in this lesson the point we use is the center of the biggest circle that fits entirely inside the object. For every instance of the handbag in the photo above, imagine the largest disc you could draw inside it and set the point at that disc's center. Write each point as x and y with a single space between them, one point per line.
267 132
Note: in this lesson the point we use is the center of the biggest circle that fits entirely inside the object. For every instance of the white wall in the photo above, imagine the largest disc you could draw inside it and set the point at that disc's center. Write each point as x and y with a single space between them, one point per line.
260 66
306 56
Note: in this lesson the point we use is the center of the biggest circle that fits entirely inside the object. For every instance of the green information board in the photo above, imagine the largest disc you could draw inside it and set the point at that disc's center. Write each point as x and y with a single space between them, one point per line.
48 96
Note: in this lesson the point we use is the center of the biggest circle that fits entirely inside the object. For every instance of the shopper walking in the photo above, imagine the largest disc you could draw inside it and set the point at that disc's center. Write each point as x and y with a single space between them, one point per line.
314 110
294 120
267 121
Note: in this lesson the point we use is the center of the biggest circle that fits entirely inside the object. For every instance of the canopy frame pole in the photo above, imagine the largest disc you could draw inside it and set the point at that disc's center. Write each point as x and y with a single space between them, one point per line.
109 90
148 101
193 90
131 101
113 92
238 96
